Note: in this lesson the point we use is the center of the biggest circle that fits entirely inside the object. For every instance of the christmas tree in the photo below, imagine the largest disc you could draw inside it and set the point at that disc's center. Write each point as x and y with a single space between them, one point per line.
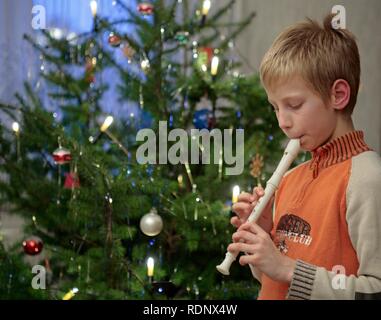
104 219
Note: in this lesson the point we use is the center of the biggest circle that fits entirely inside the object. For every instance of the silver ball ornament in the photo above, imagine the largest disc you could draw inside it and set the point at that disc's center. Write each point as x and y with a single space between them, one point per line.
151 223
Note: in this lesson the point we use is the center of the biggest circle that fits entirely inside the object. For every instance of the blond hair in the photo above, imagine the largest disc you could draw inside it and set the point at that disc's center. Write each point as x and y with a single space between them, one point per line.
320 54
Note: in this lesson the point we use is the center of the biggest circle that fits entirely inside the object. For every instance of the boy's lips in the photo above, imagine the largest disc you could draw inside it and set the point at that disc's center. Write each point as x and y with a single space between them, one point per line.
298 137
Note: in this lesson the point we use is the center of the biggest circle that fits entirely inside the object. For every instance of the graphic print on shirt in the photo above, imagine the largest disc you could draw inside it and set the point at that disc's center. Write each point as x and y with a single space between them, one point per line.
294 229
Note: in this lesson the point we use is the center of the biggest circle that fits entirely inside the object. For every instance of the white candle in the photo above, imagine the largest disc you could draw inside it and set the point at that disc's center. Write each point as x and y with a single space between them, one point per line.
15 127
236 192
214 68
108 121
205 7
70 294
150 266
16 130
180 180
93 7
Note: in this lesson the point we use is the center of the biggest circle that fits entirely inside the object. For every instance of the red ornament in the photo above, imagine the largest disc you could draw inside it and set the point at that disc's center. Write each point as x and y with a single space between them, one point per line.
145 8
61 156
114 40
32 246
71 181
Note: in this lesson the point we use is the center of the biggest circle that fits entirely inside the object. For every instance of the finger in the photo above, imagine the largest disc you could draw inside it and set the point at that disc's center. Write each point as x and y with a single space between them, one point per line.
246 259
242 208
246 197
247 226
252 227
258 192
241 247
244 236
235 221
257 229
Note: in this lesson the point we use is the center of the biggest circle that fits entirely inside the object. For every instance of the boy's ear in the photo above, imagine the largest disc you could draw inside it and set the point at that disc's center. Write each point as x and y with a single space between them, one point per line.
340 94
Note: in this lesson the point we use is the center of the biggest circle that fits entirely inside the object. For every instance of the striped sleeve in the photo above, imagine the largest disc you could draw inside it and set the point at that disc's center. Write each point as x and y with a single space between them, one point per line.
302 281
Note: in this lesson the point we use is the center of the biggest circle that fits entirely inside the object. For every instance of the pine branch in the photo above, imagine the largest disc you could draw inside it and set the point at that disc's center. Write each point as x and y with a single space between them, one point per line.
9 110
221 12
241 27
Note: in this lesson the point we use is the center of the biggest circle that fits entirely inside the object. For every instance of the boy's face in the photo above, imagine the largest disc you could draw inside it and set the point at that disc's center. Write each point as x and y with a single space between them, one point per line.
302 113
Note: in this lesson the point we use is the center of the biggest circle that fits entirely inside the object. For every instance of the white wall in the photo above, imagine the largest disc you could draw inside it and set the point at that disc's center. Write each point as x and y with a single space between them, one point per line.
16 56
15 60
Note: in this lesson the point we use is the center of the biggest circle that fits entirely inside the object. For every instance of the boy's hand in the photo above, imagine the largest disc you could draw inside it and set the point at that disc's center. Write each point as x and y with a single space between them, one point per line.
261 252
246 203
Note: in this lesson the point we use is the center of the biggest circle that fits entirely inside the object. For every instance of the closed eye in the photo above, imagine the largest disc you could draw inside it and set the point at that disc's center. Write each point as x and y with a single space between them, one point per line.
296 106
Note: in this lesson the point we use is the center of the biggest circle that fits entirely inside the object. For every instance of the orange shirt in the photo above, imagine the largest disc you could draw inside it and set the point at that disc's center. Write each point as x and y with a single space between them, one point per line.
310 211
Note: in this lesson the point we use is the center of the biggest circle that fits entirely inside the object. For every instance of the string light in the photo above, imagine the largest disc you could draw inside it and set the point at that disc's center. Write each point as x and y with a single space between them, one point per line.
220 164
34 219
189 172
145 65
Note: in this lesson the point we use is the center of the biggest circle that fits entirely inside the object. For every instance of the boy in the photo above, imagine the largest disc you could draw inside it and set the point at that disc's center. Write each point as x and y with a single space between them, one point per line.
327 211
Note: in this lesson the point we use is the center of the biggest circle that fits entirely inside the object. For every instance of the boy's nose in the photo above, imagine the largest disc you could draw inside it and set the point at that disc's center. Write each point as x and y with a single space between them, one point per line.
284 120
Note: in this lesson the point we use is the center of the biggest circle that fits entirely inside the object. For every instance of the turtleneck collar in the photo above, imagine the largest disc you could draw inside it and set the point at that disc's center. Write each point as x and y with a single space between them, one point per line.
338 150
